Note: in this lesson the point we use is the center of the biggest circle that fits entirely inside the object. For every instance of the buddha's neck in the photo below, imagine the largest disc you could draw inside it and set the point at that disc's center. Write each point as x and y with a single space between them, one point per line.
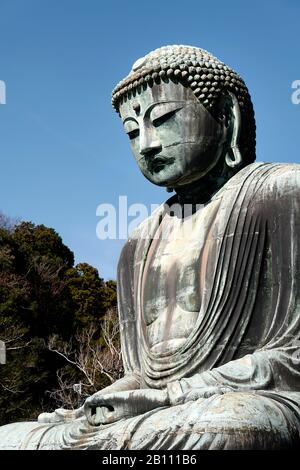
202 190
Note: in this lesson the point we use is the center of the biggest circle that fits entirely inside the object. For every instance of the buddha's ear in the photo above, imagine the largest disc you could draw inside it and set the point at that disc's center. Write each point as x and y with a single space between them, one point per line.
230 115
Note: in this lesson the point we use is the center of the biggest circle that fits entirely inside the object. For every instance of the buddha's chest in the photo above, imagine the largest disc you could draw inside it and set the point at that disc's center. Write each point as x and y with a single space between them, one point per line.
170 273
171 293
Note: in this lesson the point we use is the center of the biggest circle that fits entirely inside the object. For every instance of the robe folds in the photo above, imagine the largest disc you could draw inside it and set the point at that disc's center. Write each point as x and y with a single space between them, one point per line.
246 339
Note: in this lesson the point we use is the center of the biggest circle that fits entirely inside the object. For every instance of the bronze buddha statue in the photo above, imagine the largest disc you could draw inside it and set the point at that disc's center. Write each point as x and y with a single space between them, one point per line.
209 303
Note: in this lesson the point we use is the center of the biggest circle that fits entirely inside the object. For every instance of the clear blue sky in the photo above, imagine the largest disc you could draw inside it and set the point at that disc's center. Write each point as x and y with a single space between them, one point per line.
62 147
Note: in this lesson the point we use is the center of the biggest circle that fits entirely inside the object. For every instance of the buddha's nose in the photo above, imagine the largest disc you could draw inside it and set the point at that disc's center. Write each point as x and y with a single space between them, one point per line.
149 143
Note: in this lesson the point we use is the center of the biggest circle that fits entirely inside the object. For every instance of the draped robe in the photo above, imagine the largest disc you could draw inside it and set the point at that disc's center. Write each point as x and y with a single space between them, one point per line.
245 340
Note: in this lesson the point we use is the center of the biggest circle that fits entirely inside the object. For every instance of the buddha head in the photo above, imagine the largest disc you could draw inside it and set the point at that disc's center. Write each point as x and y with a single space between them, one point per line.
187 116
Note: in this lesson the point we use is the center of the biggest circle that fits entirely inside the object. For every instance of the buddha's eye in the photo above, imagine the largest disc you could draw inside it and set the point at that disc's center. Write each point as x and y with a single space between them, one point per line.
133 134
165 117
131 127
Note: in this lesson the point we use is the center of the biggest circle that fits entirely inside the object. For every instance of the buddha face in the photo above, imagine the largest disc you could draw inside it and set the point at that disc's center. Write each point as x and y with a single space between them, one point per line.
174 139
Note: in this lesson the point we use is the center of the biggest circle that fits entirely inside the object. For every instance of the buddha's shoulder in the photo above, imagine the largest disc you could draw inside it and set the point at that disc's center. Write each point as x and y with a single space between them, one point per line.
277 180
270 180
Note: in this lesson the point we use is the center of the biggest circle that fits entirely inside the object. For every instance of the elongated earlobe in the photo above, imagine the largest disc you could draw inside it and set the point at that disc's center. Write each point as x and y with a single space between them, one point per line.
234 157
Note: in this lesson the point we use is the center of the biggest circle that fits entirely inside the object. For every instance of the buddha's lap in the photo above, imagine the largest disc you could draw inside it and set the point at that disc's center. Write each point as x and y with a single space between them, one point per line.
232 420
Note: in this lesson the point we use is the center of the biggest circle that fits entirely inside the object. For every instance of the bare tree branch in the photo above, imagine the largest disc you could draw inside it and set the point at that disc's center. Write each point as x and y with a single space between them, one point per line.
93 358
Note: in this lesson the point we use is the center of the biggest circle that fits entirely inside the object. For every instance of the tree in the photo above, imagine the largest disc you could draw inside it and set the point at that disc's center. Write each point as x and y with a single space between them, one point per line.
42 294
91 295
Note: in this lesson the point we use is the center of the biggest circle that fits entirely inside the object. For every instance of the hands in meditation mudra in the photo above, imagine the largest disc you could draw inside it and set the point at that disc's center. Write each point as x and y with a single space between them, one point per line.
208 285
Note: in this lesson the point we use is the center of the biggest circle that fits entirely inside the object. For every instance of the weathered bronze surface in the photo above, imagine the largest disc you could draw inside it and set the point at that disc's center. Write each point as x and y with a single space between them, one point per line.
208 298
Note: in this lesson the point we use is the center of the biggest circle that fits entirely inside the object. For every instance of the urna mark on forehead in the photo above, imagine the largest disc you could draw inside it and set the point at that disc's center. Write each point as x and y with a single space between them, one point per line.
166 92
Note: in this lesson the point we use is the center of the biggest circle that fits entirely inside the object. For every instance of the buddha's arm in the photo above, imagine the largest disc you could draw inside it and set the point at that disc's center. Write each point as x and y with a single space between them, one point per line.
277 370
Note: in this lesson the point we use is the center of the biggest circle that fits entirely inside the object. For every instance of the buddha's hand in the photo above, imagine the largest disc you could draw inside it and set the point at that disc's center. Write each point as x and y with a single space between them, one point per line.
61 415
104 409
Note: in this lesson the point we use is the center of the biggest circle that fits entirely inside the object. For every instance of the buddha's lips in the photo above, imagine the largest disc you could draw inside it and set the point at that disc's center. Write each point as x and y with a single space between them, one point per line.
158 163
